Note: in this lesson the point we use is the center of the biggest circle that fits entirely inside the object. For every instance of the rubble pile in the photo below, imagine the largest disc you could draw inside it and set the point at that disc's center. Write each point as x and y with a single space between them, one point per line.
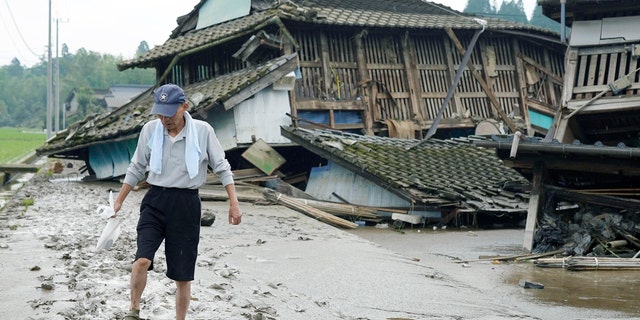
588 230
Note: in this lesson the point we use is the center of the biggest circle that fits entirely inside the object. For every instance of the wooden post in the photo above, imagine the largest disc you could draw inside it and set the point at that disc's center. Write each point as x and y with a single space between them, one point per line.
522 87
449 53
535 200
560 124
413 80
365 86
552 99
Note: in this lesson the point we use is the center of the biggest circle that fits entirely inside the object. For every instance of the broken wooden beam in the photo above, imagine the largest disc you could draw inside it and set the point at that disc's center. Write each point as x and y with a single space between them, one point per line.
19 167
299 206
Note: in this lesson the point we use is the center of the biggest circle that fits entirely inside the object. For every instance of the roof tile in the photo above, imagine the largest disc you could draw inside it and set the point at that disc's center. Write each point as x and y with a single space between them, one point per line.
447 172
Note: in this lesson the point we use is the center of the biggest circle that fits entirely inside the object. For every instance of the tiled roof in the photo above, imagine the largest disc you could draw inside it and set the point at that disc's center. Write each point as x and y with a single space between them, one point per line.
439 172
126 121
228 30
411 14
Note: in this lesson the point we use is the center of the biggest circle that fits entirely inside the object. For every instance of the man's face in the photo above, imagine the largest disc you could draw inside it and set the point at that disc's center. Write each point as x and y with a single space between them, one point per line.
174 122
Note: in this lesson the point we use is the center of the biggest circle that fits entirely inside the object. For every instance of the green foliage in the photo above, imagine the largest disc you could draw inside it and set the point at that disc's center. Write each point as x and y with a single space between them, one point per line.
143 47
23 91
480 7
16 143
540 20
513 11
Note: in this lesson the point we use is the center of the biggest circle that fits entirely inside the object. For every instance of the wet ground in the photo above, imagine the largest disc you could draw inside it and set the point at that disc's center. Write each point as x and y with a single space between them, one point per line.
589 292
607 290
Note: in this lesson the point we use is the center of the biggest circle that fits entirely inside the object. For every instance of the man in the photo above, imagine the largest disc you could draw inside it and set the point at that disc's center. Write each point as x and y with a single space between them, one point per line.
177 150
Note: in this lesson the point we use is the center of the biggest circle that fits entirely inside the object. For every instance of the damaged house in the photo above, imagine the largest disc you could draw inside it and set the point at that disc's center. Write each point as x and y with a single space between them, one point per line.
586 171
371 68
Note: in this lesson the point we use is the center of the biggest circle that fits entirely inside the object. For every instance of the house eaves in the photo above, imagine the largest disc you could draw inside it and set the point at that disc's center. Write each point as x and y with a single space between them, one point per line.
588 9
396 14
438 172
225 91
620 162
202 38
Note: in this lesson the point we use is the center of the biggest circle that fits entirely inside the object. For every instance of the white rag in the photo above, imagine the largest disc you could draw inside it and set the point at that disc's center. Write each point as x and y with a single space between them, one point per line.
192 151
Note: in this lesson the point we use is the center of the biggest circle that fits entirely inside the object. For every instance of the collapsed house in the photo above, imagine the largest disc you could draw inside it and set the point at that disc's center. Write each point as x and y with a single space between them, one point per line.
379 69
441 181
589 158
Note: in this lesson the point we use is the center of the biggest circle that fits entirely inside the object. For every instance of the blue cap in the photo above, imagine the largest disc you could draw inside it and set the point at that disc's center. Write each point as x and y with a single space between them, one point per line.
168 98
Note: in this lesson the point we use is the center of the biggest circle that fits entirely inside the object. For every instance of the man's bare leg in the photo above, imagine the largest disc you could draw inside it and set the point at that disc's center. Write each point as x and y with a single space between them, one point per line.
138 281
183 297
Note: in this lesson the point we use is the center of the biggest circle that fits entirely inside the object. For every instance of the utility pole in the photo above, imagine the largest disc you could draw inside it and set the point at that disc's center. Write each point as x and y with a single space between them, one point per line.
49 74
56 99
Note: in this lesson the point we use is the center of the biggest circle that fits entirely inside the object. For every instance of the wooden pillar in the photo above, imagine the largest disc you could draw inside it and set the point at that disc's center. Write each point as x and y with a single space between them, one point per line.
326 72
552 99
413 79
293 100
484 48
326 63
537 197
559 126
522 85
455 100
364 83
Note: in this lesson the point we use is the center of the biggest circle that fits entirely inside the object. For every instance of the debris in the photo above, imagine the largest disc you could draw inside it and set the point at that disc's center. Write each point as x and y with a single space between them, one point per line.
207 219
299 206
530 285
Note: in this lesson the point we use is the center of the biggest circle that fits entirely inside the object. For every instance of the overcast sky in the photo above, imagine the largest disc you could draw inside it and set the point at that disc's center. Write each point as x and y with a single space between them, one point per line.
116 26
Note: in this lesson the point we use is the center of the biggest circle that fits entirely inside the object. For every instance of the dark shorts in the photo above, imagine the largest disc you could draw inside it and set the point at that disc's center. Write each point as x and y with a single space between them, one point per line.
172 215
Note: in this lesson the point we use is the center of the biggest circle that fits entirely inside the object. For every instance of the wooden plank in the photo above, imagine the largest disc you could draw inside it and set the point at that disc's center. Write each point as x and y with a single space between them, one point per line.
591 71
451 67
364 83
299 206
413 79
582 74
19 167
535 200
238 175
554 77
552 99
609 201
326 63
265 158
331 105
522 88
218 193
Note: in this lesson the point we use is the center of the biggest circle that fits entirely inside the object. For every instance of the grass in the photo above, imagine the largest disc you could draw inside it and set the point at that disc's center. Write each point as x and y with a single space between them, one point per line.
16 143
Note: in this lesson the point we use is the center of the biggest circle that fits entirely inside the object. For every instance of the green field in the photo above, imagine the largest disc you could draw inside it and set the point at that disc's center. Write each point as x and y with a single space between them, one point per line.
16 143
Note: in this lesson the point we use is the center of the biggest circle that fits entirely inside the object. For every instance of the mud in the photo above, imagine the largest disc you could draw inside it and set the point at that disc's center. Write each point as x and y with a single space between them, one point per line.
570 294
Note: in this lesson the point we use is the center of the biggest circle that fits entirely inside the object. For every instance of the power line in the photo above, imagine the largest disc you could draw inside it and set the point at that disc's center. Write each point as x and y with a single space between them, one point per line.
18 29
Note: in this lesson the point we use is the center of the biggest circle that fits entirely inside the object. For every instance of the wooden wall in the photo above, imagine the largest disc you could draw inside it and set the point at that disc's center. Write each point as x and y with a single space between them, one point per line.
406 77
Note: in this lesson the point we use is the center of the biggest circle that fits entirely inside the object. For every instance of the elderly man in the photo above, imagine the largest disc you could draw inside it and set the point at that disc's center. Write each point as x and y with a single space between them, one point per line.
177 150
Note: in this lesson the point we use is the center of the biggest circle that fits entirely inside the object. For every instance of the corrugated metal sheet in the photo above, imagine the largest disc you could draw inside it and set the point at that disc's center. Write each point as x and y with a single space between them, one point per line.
332 178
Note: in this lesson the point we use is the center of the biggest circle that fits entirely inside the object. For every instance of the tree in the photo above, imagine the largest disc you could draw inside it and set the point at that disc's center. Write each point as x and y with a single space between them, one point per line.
143 48
540 20
513 11
5 117
15 69
480 7
65 50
